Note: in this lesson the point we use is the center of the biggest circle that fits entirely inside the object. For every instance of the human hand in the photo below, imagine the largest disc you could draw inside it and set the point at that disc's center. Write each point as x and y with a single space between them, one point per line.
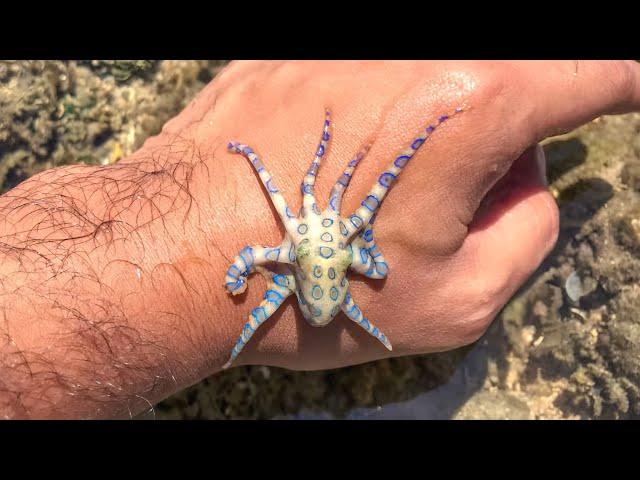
466 224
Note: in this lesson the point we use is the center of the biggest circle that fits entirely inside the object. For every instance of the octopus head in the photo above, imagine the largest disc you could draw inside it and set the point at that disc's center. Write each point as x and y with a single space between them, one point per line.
321 280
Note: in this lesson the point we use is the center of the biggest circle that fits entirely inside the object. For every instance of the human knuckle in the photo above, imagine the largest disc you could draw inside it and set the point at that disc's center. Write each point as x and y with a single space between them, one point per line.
623 79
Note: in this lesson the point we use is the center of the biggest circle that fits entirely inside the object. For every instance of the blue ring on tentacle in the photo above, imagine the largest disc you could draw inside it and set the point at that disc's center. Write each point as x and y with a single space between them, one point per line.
371 203
272 254
255 313
364 255
401 161
386 179
280 280
417 143
270 187
273 297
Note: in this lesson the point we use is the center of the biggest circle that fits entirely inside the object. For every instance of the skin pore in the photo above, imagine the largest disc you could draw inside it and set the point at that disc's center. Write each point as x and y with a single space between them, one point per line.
111 278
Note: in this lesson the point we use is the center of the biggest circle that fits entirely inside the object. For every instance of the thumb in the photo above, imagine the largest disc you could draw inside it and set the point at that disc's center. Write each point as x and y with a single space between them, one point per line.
513 231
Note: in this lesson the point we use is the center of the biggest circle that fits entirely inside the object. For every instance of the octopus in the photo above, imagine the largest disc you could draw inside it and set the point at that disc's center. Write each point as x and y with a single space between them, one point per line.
319 247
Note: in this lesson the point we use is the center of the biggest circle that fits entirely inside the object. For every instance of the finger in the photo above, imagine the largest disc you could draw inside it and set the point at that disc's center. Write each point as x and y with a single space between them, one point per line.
511 235
571 93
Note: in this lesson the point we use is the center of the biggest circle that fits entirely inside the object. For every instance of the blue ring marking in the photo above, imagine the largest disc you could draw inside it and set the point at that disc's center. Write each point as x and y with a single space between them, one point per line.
270 187
301 298
376 332
382 268
247 330
325 136
367 234
327 222
289 213
302 228
443 118
234 285
343 229
255 313
292 253
331 273
273 297
364 255
316 292
320 151
317 271
417 143
315 311
344 179
272 254
332 203
347 299
371 269
231 145
326 237
247 263
365 323
247 150
280 280
356 221
430 128
335 310
401 161
333 293
386 179
233 274
326 252
307 189
315 209
313 169
371 203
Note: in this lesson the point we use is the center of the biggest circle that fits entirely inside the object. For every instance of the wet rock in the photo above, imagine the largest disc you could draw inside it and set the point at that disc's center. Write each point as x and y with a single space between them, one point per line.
573 287
493 405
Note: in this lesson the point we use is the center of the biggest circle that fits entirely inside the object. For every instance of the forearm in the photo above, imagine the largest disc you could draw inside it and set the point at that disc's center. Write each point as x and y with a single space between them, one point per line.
110 295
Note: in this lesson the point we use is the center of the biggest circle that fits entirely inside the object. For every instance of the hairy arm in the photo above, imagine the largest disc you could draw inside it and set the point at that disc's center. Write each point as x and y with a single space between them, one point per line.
109 291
